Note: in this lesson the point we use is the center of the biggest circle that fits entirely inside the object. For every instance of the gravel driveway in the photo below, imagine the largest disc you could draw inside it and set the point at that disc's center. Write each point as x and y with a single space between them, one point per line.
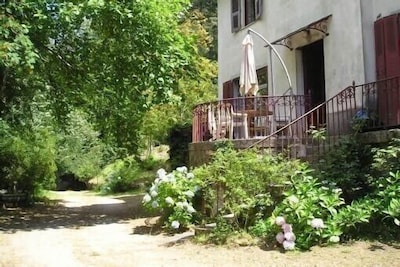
89 230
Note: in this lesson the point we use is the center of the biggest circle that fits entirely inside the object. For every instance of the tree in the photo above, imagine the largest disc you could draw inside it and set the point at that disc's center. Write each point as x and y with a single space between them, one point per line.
112 59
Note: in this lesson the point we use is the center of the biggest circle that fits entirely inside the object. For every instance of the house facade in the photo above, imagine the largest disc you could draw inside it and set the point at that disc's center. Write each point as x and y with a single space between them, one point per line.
325 45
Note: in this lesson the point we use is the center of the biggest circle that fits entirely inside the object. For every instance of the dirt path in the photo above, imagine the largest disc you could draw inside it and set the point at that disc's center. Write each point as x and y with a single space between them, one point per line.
87 230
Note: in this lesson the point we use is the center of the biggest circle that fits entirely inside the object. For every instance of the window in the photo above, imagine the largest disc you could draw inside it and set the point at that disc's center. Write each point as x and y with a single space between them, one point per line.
230 89
250 10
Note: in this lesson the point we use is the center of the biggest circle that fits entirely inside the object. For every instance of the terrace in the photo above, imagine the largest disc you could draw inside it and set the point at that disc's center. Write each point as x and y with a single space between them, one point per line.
290 124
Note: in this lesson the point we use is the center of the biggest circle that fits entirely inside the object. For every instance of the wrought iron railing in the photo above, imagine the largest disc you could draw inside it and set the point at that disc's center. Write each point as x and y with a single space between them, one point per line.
366 107
245 117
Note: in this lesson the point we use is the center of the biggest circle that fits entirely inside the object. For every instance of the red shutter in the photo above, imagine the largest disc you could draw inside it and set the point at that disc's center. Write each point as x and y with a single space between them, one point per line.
392 49
227 90
380 50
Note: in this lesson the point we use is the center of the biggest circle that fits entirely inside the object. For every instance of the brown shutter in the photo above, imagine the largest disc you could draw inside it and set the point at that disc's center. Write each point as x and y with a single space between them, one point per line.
236 4
259 8
392 49
380 50
227 90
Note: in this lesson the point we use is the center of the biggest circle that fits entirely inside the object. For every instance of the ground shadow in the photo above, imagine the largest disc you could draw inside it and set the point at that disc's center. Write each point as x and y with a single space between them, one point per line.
55 215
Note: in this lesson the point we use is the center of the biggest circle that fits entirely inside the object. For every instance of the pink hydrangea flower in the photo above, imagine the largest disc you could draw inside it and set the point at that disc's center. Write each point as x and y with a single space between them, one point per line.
288 245
287 228
290 236
280 237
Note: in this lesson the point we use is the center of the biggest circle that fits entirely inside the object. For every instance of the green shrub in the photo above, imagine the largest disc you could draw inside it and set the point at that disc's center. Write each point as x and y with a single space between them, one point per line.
348 165
121 176
26 158
244 183
304 214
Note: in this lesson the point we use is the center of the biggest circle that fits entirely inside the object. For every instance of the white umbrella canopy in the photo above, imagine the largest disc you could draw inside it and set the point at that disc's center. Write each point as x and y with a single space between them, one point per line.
248 74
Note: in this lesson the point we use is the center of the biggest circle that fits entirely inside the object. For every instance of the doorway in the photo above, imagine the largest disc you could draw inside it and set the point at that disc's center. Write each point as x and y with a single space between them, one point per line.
314 79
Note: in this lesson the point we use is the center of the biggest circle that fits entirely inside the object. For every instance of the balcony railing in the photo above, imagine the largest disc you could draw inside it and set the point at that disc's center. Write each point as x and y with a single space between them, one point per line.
246 117
366 107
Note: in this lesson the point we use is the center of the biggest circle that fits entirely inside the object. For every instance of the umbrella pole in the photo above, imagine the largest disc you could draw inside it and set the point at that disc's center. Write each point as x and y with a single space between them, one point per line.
276 53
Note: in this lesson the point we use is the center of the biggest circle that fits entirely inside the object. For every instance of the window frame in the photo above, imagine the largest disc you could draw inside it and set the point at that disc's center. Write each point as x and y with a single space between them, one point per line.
242 15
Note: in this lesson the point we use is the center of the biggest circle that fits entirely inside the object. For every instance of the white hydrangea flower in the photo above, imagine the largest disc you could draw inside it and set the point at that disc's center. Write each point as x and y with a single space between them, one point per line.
317 223
293 199
288 245
290 236
155 204
334 239
153 187
153 193
189 193
171 178
190 209
185 204
190 175
280 220
280 237
179 205
161 173
175 224
146 198
169 200
182 169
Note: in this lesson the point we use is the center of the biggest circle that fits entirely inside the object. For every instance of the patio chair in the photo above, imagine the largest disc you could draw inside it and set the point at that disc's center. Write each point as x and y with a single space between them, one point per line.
227 120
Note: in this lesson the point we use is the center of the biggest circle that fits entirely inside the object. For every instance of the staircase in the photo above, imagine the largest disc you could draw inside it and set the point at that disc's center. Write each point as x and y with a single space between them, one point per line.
366 107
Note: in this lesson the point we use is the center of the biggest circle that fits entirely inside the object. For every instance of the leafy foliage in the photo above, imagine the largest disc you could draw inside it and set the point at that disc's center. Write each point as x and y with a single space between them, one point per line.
242 182
79 149
173 194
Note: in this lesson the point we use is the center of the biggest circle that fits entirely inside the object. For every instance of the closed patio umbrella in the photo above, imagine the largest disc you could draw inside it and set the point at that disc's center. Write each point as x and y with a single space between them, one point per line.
248 74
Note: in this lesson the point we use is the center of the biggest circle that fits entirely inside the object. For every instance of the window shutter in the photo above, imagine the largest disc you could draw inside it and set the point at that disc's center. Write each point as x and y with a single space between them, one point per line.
235 15
380 50
259 8
227 90
392 49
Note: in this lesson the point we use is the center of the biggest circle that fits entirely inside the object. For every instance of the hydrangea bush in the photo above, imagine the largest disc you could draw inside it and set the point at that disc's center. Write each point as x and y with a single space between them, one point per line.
310 207
173 194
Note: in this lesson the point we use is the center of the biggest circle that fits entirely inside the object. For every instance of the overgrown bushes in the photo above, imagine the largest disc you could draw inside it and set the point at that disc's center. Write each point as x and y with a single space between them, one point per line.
307 210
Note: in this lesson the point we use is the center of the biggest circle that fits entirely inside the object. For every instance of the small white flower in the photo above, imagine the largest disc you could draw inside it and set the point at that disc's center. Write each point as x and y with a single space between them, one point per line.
153 187
146 198
157 181
289 236
196 188
185 204
175 224
190 209
169 200
154 204
182 169
280 237
179 205
288 245
190 175
153 193
189 193
279 220
287 228
293 199
317 223
171 178
161 173
334 239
